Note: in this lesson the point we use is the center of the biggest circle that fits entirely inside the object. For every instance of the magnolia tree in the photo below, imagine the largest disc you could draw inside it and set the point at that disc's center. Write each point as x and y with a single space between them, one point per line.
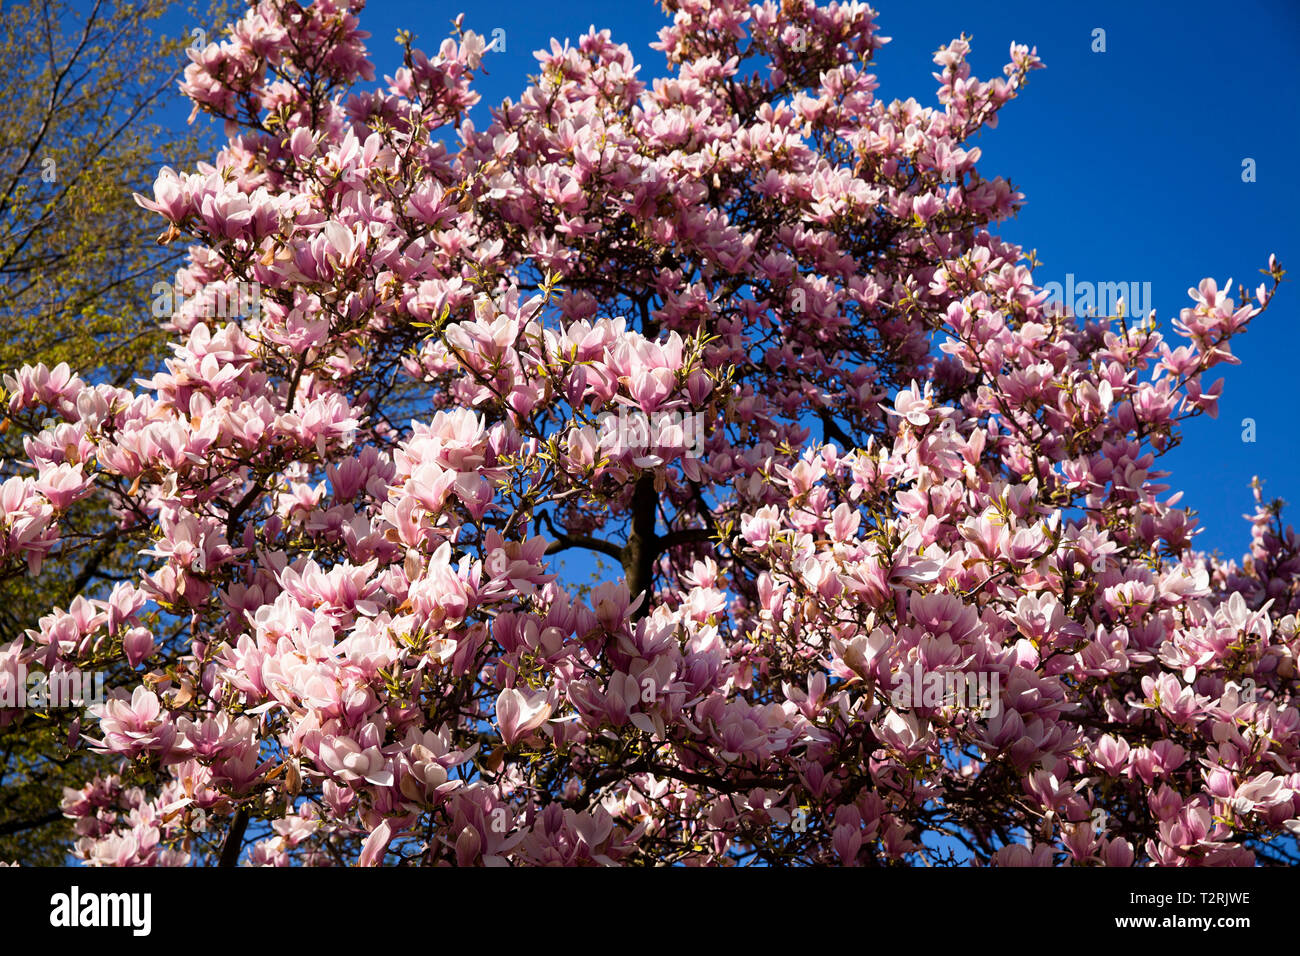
898 581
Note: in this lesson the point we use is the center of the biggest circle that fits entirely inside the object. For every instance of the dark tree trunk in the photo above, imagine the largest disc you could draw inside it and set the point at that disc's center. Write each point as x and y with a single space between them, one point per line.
642 544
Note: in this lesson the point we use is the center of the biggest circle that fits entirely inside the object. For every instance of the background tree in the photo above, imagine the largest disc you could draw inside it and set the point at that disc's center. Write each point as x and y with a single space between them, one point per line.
85 87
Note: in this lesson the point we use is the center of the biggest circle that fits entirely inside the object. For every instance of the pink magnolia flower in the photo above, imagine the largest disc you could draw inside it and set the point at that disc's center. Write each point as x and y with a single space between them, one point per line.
520 713
135 725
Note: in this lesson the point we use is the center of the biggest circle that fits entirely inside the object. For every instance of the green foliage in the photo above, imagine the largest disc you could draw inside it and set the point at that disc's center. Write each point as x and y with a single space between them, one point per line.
83 89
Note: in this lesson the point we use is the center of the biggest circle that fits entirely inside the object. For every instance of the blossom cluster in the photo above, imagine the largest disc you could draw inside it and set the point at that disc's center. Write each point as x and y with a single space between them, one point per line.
349 638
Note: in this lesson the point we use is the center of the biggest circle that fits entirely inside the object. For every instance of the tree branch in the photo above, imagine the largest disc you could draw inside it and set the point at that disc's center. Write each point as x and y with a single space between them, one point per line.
17 826
234 839
565 541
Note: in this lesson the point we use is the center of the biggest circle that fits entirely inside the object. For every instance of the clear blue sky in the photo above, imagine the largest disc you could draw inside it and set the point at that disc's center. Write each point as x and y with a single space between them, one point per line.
1130 161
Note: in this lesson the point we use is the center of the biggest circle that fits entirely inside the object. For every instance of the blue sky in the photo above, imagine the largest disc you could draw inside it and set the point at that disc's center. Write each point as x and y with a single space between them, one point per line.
1130 161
